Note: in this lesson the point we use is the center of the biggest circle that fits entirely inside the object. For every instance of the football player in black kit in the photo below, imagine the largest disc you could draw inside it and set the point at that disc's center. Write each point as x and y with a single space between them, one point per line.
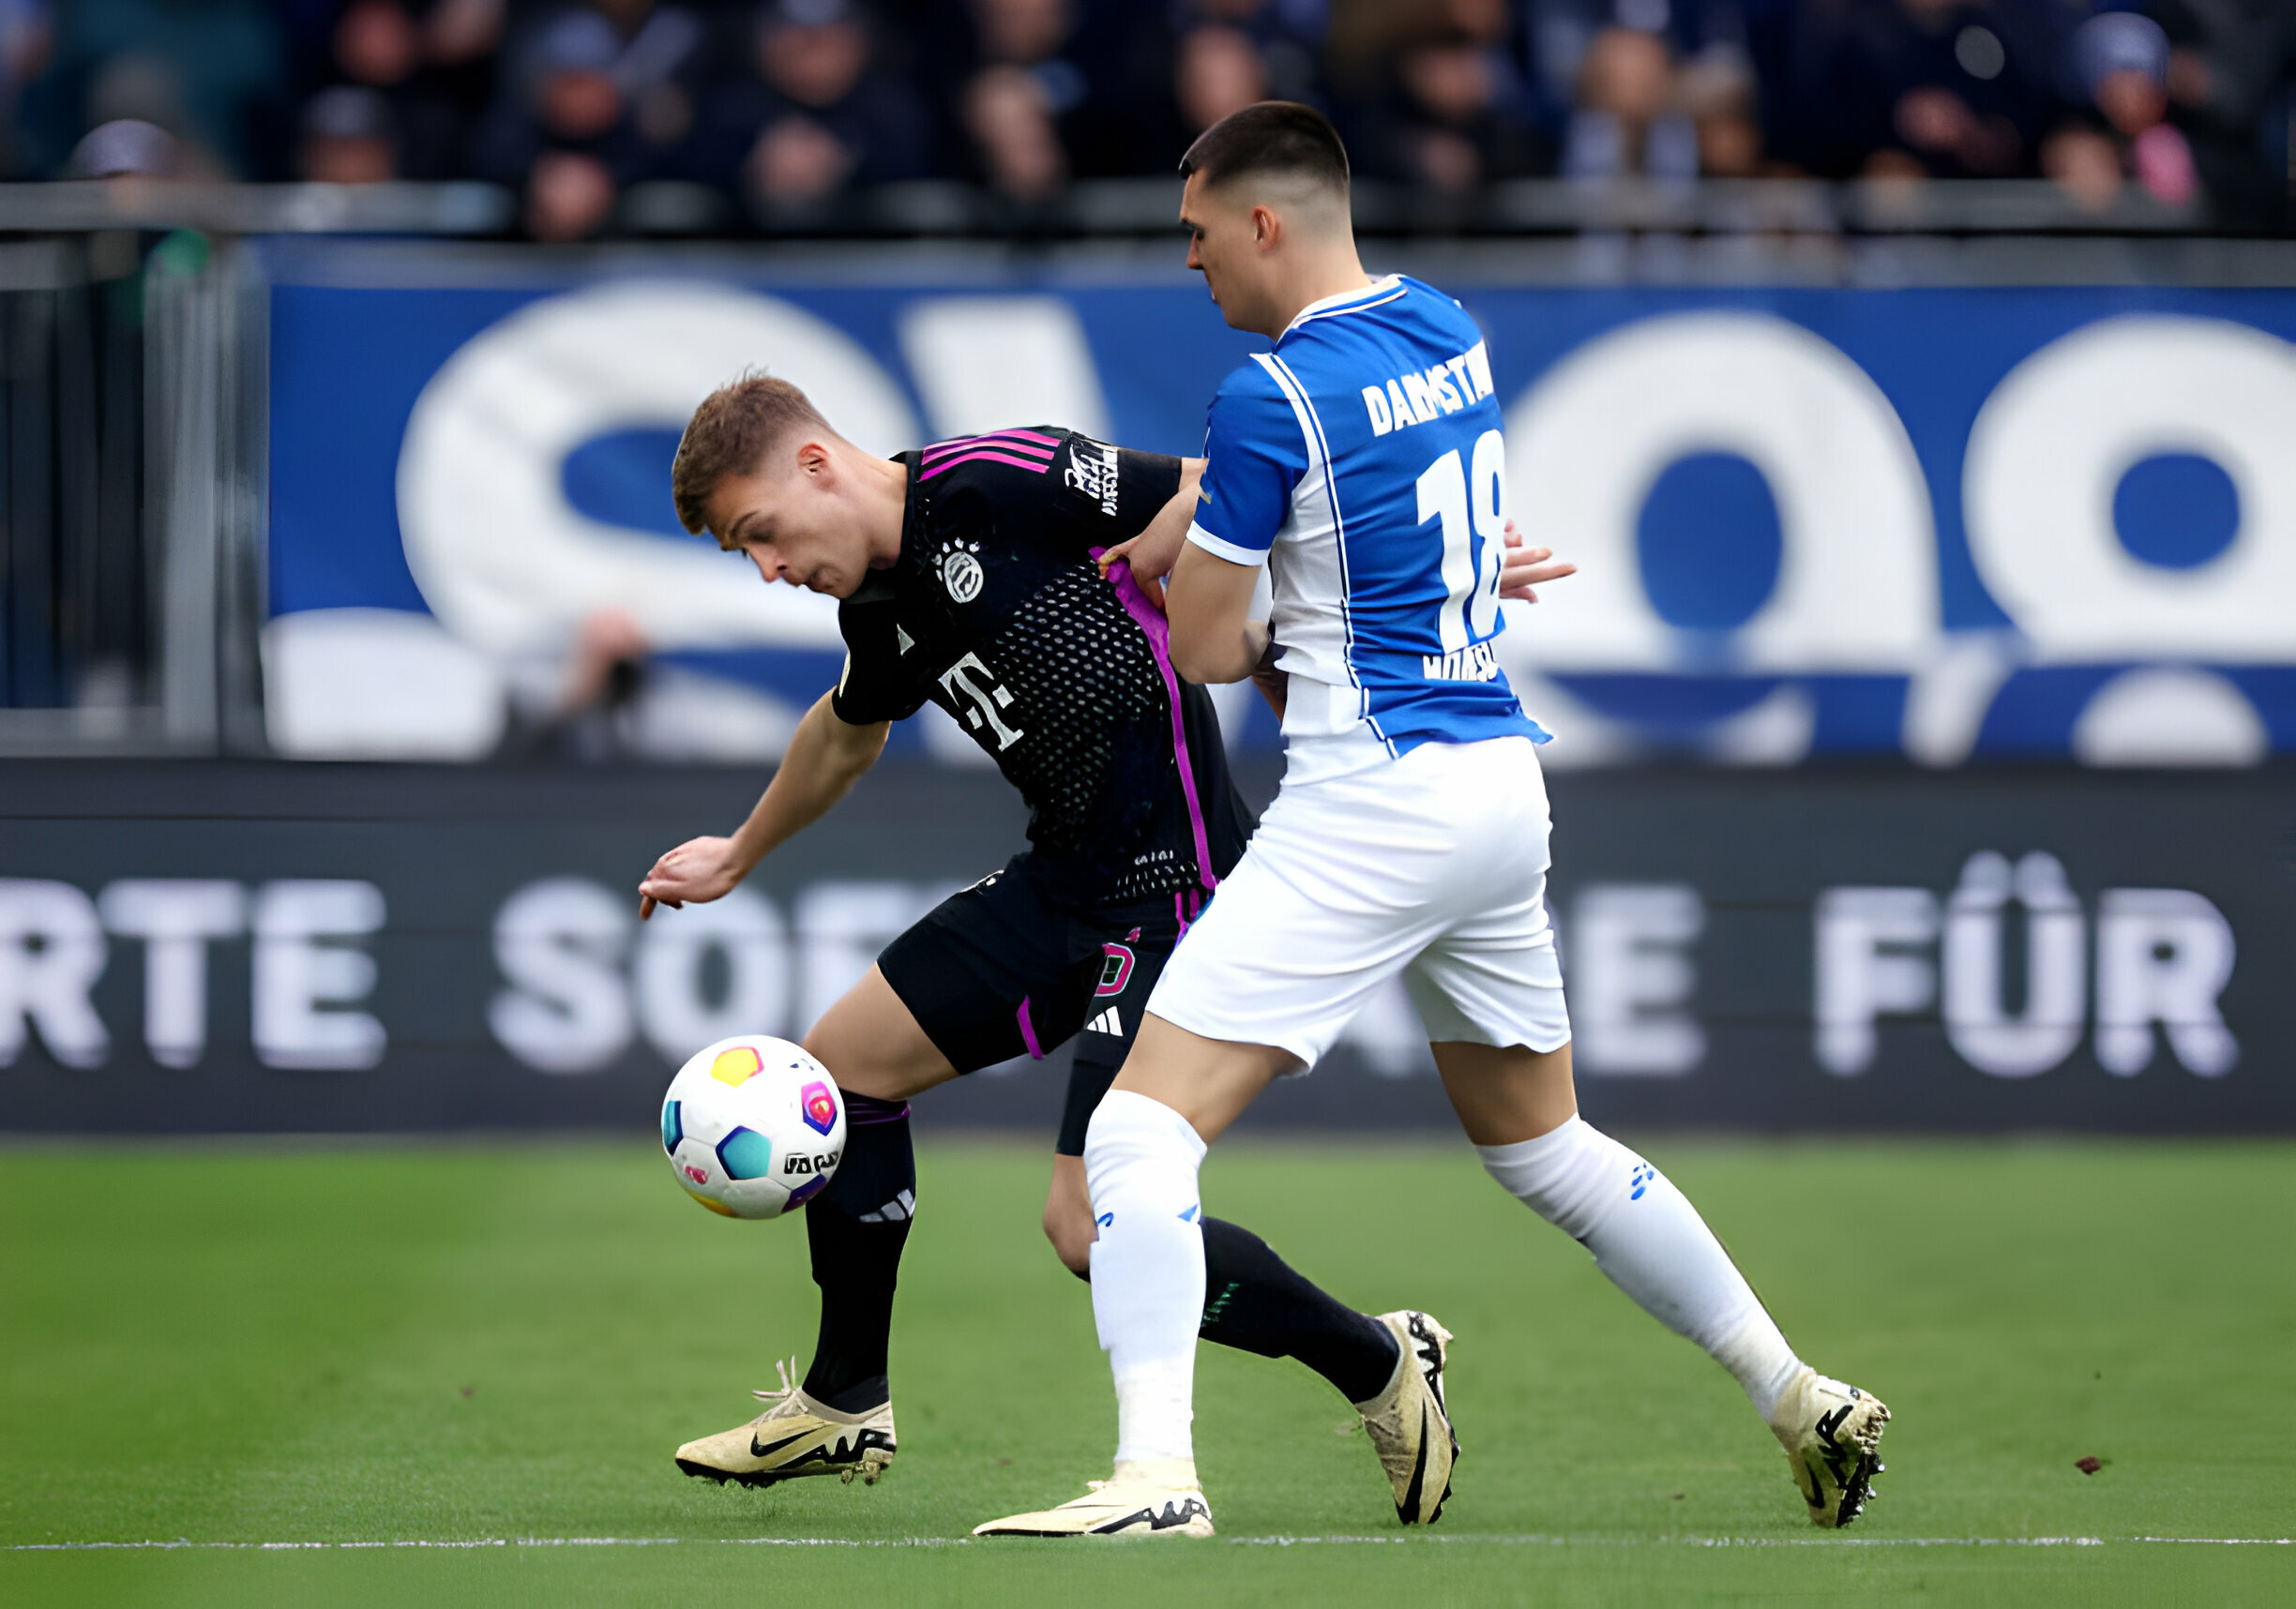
969 577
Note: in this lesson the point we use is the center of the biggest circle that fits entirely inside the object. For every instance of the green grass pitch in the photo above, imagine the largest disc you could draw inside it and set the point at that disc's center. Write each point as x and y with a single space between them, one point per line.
501 1344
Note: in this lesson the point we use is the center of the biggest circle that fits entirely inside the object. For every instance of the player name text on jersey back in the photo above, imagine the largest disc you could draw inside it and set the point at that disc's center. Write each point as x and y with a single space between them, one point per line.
1421 398
1476 662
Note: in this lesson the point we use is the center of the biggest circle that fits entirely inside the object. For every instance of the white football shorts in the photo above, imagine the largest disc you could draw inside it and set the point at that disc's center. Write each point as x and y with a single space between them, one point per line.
1433 865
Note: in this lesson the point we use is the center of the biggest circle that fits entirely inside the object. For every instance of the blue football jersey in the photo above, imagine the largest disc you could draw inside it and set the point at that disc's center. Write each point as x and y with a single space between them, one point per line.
1363 462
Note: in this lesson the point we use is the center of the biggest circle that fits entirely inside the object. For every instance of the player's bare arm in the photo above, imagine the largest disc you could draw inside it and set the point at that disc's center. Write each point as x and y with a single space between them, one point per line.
825 758
1213 639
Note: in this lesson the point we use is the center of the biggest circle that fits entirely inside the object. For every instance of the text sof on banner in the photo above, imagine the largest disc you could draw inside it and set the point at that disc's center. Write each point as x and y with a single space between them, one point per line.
581 981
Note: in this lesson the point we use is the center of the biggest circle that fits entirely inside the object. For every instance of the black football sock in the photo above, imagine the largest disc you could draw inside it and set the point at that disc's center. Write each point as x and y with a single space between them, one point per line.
1254 1302
857 1228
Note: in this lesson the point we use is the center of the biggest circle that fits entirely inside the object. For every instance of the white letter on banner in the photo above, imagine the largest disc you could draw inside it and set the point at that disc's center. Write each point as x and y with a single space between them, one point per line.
1857 979
506 562
52 952
841 927
1629 970
1857 581
1986 1036
301 982
2048 452
2163 954
674 1007
175 917
560 942
987 363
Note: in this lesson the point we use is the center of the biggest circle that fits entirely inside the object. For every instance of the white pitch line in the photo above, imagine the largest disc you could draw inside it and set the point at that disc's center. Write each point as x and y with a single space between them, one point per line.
1455 1540
1465 1540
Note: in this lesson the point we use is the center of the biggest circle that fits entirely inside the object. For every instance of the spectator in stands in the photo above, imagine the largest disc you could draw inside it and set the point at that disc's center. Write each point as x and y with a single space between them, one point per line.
595 100
1466 120
125 149
1366 37
1011 107
1932 88
2121 59
349 137
2231 83
430 66
27 35
1628 120
1286 36
1443 106
814 113
211 73
595 712
1059 89
1718 95
1219 70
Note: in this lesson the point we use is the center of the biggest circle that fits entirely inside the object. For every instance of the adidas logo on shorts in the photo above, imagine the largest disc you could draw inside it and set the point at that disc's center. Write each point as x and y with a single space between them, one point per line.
1107 1022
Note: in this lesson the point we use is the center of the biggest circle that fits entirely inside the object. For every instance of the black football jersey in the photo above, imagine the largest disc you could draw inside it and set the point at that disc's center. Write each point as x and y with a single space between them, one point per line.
996 612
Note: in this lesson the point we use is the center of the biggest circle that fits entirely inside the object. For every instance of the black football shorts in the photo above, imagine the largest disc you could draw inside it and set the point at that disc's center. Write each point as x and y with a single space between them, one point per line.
997 970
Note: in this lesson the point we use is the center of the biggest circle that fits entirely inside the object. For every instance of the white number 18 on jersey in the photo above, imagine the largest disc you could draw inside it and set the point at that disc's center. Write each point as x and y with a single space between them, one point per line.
1470 498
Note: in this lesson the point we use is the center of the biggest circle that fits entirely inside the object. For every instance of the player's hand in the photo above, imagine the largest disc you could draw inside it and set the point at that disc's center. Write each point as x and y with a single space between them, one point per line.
1274 686
1524 568
700 869
1150 555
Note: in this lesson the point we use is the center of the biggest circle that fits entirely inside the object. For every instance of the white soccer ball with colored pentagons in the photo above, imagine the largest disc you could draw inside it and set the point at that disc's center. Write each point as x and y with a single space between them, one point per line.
753 1125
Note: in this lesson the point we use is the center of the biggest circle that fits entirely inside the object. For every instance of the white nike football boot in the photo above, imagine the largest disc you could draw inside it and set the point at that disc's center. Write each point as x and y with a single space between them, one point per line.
1154 1497
795 1436
1408 1424
1832 1433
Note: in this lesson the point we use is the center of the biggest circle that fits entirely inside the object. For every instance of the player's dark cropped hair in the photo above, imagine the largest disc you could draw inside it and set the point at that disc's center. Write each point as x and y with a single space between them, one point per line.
731 433
1270 137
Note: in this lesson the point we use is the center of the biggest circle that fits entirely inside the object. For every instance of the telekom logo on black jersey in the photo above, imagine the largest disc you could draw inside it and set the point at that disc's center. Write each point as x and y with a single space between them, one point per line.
970 679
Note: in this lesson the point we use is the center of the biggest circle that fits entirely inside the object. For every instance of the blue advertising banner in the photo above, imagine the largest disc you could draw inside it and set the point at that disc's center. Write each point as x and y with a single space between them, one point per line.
1948 524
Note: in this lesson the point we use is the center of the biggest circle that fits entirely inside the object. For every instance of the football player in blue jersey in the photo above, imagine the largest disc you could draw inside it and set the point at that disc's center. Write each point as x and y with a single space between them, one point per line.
1360 461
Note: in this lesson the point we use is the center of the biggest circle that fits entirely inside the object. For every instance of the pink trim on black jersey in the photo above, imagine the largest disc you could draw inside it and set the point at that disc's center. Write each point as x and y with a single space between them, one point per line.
1030 444
1159 631
950 463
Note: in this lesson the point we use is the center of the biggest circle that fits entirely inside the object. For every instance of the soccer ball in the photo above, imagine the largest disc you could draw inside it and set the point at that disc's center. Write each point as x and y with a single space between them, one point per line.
753 1126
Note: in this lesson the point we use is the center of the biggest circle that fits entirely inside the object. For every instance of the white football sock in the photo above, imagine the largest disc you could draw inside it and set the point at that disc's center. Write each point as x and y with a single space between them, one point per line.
1140 1159
1653 1244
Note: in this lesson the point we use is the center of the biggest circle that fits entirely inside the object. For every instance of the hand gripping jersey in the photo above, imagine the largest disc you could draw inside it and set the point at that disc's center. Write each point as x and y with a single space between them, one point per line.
996 612
1362 462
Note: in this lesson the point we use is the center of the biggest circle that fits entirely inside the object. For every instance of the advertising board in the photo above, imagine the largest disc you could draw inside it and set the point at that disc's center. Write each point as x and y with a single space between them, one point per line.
333 948
1951 525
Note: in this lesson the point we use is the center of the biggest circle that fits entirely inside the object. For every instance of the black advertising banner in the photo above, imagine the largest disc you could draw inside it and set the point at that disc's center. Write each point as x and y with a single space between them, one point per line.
252 948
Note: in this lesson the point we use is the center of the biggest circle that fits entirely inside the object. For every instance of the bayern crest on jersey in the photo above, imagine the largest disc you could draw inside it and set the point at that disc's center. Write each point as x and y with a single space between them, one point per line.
961 573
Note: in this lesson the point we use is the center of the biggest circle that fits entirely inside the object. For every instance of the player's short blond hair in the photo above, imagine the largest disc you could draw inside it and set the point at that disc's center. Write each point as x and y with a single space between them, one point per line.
733 433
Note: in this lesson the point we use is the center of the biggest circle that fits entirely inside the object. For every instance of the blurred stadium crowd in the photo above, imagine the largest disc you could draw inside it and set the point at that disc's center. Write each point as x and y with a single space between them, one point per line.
757 112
